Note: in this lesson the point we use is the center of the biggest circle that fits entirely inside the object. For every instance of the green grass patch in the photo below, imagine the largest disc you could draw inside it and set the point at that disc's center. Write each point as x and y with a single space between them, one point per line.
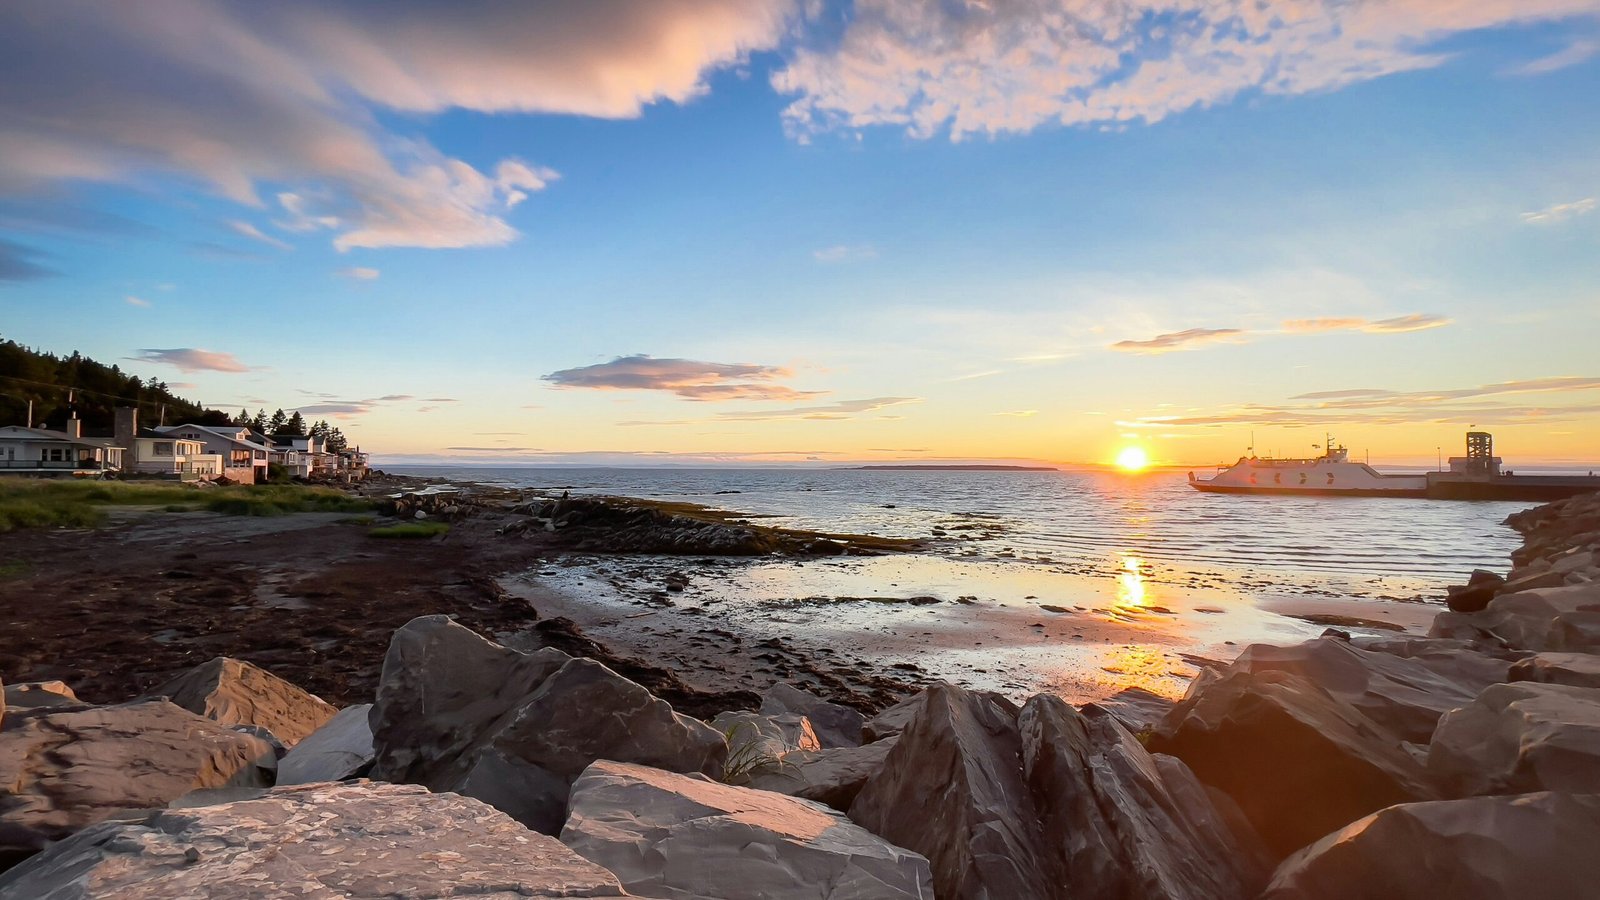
14 568
363 521
410 530
65 503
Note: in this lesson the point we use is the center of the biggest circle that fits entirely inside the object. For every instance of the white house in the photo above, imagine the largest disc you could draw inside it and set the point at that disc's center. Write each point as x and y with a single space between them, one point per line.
40 451
243 460
304 455
153 452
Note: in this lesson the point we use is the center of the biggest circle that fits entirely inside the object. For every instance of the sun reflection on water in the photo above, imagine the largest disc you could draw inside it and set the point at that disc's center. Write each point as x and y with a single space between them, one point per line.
1130 584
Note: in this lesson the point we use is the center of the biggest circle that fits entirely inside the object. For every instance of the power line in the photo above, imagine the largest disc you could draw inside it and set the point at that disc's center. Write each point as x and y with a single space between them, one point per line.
57 387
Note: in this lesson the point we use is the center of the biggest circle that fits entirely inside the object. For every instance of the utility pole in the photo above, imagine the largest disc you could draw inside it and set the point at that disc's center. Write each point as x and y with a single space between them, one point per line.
30 413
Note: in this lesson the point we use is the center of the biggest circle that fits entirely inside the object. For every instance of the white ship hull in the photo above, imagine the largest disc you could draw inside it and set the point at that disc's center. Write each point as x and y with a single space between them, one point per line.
1310 477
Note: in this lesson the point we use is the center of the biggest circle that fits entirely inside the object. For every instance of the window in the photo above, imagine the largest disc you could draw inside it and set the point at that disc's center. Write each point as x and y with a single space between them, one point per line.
239 458
57 454
163 448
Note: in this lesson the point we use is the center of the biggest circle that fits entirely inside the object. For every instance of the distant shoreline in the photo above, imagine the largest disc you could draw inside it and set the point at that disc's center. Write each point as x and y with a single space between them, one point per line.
934 468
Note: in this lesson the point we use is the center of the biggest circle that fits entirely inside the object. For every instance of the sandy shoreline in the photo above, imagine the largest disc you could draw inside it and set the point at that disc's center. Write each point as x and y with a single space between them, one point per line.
116 610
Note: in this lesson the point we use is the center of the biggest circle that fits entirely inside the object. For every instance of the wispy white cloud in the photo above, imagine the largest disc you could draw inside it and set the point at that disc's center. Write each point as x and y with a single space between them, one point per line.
131 300
1019 413
994 67
843 253
1187 339
1395 325
1379 406
191 359
360 273
241 227
687 378
844 409
1561 212
1578 51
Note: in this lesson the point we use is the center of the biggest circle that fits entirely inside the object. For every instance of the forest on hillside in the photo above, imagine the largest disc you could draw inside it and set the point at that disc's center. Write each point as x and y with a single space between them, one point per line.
91 387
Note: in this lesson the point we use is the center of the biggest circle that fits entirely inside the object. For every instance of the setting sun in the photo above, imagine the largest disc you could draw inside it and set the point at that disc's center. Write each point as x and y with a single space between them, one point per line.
1133 459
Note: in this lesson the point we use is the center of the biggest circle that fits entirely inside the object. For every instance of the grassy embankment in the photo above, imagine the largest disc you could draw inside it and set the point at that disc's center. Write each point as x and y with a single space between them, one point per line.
61 503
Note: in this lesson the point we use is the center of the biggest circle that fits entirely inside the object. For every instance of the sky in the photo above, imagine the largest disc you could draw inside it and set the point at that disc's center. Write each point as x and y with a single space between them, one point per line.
793 231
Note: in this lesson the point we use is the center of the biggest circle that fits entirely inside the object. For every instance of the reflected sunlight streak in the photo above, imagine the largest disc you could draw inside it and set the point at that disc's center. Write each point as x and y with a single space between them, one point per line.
1130 585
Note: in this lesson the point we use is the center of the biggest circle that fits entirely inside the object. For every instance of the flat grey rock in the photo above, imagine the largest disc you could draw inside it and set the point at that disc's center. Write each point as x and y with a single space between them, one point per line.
324 841
1576 669
340 749
37 694
676 837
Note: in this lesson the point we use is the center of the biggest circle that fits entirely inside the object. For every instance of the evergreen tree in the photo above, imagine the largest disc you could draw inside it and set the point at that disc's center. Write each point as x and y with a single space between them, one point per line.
276 423
259 423
296 424
243 420
336 441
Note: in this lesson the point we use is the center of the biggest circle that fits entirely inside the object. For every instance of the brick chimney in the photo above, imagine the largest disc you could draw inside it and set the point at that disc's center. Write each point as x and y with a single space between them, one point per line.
125 427
74 427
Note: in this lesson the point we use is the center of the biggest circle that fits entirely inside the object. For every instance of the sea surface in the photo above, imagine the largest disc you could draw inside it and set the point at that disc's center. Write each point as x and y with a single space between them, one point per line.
1085 517
1081 582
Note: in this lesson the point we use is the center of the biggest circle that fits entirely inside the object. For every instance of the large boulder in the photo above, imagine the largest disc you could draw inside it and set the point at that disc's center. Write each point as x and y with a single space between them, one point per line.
1476 593
234 692
835 725
831 777
1403 692
1298 761
64 769
581 713
1527 847
1119 823
315 841
442 688
340 749
1576 669
1521 737
672 836
459 713
1559 618
952 790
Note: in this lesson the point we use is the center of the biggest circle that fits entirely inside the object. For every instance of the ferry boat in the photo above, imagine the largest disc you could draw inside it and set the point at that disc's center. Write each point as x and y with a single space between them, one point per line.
1332 473
1476 476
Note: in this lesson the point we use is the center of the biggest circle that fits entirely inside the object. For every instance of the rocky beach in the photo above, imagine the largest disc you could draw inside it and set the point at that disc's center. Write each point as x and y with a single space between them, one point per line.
490 751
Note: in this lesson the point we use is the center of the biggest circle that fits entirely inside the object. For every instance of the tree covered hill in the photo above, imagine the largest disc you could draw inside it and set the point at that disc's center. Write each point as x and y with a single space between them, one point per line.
96 389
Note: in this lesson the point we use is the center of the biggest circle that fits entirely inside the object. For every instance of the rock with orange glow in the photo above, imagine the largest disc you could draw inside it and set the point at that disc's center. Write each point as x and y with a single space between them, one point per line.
677 836
1405 694
952 789
1119 822
835 725
1524 847
1547 619
1299 761
832 777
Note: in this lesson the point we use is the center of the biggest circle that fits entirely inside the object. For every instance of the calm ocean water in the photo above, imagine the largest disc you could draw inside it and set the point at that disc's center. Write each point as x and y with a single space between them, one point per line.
1085 518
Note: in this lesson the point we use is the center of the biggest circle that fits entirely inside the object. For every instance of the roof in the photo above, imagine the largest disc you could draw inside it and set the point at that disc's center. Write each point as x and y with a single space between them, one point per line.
226 435
18 432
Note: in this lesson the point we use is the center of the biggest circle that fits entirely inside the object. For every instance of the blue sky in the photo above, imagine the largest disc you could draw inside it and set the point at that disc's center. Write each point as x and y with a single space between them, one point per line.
750 230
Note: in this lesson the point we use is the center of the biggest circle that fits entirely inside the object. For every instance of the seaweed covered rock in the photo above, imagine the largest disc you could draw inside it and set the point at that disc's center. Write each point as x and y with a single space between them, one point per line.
321 841
673 836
